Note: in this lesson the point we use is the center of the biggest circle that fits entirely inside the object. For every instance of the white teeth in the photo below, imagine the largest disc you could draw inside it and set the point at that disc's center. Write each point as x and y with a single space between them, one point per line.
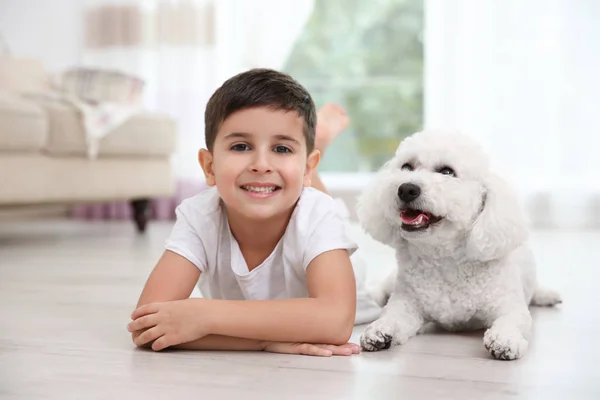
418 221
260 189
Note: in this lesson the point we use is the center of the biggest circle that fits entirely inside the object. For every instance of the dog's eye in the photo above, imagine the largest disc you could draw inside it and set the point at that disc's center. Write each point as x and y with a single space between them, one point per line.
407 167
446 171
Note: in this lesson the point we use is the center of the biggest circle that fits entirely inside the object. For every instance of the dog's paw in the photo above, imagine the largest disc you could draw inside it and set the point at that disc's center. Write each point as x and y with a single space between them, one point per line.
545 298
379 336
375 341
506 344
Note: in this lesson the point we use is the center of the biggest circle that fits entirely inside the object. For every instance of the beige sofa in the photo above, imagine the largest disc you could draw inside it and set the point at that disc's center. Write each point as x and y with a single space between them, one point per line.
43 157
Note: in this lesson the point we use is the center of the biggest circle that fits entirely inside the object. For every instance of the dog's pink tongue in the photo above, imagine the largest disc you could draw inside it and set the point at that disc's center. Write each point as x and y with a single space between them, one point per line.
409 217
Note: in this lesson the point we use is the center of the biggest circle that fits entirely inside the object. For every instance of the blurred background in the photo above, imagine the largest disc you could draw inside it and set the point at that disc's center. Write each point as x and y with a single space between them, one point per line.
103 100
101 118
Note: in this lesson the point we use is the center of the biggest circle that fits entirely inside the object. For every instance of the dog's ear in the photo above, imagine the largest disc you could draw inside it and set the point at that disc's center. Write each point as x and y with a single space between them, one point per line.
500 227
371 210
374 221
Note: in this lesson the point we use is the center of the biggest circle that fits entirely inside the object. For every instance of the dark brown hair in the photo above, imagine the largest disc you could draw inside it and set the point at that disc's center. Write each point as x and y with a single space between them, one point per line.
259 88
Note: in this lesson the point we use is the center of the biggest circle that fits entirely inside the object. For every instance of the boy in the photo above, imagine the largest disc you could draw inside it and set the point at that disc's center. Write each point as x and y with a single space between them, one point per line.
271 252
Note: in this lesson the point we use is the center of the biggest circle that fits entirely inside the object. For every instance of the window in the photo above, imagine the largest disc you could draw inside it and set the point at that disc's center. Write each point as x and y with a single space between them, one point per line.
368 57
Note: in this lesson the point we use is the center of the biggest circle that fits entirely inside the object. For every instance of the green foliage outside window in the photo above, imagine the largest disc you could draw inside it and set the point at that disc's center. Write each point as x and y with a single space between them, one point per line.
368 57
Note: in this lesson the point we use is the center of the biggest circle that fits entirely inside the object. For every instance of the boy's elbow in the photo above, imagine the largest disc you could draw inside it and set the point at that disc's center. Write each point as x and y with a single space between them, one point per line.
345 332
342 330
341 338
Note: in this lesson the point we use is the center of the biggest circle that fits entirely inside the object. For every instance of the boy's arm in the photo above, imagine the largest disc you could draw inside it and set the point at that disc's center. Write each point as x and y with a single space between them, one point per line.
217 342
174 278
327 316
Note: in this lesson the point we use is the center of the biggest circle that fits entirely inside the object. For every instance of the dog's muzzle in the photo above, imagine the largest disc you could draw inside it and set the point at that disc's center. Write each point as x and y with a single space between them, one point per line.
413 219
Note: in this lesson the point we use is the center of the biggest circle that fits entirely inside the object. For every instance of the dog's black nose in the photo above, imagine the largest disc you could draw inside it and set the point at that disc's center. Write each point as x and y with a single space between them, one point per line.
408 192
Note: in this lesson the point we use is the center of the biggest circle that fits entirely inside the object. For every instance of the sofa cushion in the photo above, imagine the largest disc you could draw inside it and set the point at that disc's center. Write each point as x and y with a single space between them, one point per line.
30 179
22 75
146 134
23 125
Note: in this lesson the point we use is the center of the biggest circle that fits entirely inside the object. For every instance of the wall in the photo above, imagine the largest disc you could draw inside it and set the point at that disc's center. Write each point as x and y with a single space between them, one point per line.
521 76
47 30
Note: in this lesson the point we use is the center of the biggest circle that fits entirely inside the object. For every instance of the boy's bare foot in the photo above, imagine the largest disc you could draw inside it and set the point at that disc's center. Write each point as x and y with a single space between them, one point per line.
331 121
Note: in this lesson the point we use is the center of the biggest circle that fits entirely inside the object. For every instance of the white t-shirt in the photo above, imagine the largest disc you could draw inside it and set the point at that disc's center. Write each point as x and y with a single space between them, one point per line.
201 234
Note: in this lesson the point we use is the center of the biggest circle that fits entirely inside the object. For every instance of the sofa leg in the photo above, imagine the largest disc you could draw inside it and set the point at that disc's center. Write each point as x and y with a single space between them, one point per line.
141 210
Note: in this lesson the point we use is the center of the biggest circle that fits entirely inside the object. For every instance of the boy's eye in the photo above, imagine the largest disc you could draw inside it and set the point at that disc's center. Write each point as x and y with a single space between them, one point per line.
282 149
240 147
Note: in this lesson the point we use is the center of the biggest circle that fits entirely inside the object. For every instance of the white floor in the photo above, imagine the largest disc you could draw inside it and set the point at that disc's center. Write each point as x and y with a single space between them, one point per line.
67 289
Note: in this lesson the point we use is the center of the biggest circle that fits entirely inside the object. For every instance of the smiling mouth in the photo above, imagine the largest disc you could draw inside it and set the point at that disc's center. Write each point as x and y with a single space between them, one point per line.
260 189
417 220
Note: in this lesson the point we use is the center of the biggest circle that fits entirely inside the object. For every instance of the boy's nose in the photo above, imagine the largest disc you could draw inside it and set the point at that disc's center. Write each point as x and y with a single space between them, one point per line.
261 163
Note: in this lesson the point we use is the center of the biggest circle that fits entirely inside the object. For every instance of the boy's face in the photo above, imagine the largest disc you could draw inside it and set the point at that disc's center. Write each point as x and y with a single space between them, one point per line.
259 162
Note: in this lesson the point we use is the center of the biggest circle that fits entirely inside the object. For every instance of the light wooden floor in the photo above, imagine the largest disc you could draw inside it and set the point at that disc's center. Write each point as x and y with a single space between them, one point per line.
67 289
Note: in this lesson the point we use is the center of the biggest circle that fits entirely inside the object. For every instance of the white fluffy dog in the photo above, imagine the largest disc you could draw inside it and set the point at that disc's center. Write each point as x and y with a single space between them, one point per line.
461 247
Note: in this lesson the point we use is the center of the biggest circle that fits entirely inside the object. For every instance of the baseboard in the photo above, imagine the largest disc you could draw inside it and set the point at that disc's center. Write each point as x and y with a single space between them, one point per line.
52 211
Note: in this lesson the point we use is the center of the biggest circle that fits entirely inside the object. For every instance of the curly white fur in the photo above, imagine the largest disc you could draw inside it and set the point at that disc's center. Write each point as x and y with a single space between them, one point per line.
472 269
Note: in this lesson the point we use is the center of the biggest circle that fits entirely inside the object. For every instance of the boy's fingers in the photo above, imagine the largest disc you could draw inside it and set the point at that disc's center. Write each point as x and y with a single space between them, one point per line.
161 343
144 310
343 350
306 349
353 346
312 350
148 336
135 334
147 321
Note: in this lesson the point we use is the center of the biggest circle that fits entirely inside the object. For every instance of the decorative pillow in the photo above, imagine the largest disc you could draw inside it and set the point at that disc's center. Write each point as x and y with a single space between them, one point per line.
98 85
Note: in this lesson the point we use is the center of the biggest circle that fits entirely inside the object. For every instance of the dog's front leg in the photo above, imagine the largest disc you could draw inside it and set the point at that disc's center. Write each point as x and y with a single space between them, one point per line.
507 338
400 321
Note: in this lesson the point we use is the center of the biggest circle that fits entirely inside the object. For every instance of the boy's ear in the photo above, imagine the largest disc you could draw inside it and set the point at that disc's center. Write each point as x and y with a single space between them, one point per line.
311 165
205 159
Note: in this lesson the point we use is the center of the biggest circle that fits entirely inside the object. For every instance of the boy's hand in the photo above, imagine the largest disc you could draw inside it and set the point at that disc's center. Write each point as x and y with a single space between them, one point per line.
168 324
307 349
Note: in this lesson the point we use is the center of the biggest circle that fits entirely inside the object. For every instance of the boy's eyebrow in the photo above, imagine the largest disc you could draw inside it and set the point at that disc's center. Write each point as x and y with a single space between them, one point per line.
235 135
244 135
286 138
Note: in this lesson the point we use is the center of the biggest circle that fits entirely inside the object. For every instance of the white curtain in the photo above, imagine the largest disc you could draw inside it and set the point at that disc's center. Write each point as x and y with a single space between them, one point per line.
522 77
184 49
